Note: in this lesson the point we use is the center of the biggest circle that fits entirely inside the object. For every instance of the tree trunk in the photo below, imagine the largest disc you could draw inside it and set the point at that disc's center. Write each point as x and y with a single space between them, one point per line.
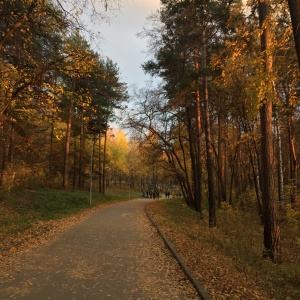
51 175
196 190
294 6
222 132
270 208
293 160
81 153
198 160
74 163
198 146
209 150
100 165
68 141
7 145
280 161
104 162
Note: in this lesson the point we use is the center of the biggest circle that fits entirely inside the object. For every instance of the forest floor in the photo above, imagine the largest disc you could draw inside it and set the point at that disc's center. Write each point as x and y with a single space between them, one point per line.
225 264
227 260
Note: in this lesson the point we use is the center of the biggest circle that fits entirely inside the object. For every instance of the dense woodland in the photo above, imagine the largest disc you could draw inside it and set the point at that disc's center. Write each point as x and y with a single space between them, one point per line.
221 125
225 116
58 96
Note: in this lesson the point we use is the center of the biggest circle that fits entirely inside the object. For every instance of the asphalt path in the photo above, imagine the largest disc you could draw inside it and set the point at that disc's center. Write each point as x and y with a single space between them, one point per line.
115 253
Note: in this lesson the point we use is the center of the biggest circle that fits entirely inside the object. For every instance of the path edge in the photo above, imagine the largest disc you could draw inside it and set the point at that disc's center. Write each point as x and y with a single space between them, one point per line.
196 283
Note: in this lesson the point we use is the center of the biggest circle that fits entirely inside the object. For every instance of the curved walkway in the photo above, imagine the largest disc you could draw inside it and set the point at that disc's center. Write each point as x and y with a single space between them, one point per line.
114 254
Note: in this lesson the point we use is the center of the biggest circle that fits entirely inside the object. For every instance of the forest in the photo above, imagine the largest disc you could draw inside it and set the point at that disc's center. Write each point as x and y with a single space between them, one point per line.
225 116
220 129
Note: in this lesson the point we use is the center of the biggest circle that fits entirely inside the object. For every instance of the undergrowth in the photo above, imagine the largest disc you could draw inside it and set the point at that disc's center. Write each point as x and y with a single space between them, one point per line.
239 235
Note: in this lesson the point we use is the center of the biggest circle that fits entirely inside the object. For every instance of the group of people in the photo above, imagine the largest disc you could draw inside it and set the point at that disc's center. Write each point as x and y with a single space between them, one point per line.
155 194
152 195
168 194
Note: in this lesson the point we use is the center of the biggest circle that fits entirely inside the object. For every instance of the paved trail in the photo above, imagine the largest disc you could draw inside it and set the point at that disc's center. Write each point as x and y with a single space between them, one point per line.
113 254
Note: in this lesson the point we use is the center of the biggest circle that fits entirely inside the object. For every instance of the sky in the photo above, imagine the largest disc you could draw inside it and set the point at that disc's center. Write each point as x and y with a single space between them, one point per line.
120 41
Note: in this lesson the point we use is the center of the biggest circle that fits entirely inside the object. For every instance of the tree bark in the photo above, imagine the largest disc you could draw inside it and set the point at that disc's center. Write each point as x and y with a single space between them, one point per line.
51 174
195 195
7 148
222 133
198 160
280 161
100 165
81 152
293 159
270 208
209 150
104 162
294 6
68 141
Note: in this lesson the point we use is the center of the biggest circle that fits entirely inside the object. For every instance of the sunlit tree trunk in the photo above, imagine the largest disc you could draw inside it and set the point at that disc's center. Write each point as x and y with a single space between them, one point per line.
270 208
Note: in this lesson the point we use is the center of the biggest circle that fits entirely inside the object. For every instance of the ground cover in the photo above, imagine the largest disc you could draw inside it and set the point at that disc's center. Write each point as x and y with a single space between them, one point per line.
25 215
228 259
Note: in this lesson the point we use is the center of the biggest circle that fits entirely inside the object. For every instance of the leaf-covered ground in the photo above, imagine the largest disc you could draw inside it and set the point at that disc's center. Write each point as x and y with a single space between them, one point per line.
225 275
38 233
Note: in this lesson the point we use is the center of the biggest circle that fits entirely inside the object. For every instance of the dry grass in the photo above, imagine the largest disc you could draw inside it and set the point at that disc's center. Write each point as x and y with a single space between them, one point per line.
228 259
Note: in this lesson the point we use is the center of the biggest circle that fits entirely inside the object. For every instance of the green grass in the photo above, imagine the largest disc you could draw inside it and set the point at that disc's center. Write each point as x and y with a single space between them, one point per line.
19 209
239 234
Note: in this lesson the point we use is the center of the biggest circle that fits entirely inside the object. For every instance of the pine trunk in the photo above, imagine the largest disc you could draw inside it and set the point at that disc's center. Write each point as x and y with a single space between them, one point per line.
294 6
270 208
209 150
280 161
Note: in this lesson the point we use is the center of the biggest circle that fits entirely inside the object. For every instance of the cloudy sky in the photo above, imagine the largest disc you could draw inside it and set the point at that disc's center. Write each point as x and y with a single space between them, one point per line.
120 42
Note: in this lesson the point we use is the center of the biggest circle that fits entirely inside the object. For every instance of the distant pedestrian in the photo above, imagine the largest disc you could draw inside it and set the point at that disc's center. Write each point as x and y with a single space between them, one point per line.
158 195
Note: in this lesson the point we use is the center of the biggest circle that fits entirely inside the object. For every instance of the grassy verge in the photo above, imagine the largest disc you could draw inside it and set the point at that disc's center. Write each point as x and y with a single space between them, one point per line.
19 210
239 235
